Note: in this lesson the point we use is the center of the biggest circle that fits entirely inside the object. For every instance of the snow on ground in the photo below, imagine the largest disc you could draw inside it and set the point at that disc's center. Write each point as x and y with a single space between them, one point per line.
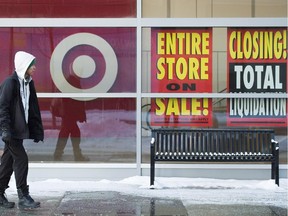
189 190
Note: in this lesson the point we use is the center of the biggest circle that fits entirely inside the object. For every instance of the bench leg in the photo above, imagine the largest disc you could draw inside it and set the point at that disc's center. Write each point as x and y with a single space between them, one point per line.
152 172
275 163
276 168
152 164
277 174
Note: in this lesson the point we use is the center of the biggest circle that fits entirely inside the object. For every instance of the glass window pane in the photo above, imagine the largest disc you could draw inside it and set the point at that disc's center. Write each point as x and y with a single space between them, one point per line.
103 59
104 129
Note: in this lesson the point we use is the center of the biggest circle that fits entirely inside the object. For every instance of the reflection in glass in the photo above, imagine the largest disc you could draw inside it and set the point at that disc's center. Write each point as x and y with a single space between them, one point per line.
72 112
88 50
107 136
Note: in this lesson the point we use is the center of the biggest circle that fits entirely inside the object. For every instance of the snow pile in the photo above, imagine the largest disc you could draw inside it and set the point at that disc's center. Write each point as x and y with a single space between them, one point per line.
189 190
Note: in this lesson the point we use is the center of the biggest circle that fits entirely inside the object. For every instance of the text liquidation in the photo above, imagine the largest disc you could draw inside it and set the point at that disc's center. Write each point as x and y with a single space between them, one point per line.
258 107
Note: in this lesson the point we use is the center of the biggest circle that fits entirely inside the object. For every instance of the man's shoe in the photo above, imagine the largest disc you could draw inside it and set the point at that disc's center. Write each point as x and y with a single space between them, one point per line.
25 200
5 203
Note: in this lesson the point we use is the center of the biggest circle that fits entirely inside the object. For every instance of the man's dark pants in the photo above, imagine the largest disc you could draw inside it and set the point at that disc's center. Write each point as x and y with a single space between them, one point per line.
15 159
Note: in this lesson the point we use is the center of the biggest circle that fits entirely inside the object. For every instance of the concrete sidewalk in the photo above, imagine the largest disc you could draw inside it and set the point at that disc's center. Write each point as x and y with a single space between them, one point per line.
110 203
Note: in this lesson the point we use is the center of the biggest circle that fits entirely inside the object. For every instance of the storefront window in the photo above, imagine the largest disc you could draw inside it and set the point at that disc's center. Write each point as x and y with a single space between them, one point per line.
93 68
201 64
80 62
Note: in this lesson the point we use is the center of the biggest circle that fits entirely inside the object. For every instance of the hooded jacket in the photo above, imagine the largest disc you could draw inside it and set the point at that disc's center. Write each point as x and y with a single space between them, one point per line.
12 116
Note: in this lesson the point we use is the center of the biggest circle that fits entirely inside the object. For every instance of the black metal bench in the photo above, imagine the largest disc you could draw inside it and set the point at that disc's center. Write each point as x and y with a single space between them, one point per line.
214 145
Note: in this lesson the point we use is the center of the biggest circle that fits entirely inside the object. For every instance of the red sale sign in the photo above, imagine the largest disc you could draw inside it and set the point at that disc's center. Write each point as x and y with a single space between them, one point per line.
181 61
257 63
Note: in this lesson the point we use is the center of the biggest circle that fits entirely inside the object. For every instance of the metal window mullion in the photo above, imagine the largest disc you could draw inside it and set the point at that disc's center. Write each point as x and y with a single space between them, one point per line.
138 89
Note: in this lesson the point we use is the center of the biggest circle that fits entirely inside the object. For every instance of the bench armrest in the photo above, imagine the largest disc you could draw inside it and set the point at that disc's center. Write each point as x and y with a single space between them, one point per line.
275 144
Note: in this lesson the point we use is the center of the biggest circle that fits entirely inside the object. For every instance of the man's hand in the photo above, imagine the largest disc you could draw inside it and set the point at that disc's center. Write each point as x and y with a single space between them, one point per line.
6 137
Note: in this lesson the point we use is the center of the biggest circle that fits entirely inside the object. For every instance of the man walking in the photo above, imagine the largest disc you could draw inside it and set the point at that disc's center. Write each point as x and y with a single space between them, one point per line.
20 119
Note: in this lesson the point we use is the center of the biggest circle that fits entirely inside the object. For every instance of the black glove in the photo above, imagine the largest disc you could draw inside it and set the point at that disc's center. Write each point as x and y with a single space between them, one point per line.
6 137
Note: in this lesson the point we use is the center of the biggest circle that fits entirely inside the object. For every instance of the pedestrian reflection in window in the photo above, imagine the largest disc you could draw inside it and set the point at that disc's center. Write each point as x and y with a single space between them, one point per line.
71 111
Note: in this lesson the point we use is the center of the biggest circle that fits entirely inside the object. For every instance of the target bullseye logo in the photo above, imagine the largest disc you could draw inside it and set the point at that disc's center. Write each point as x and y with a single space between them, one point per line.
83 66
